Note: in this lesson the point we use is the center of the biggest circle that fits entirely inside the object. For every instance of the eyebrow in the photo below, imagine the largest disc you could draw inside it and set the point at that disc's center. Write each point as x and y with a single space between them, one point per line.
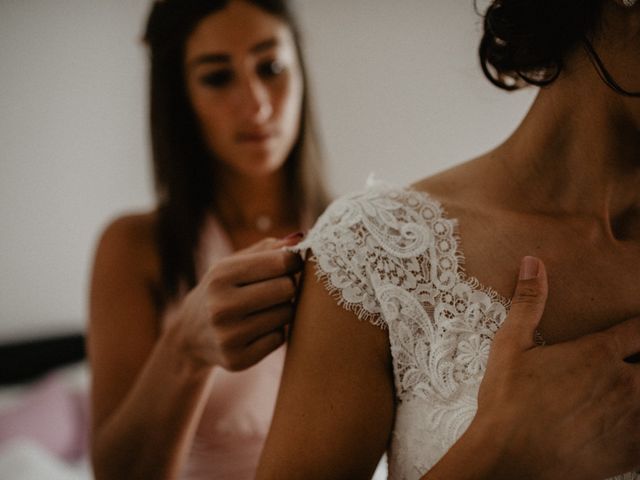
208 58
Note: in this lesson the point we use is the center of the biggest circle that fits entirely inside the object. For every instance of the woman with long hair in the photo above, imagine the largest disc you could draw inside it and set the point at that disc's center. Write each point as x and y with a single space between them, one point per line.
190 303
444 372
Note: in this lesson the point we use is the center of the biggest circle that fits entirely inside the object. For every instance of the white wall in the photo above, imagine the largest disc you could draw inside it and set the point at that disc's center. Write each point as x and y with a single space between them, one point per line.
396 84
399 88
72 150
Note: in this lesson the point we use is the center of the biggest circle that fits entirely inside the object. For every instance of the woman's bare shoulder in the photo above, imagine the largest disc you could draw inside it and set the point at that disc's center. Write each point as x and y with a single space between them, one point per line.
472 186
128 242
133 229
123 308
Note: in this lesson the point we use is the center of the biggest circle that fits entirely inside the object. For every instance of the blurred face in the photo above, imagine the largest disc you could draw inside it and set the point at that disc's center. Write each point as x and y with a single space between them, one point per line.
244 83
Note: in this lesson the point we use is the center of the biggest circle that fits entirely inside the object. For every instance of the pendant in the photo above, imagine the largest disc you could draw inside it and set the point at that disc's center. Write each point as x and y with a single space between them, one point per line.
263 223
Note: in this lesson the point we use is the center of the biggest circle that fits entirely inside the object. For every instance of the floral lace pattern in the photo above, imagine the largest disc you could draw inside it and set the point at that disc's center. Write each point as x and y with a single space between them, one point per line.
392 257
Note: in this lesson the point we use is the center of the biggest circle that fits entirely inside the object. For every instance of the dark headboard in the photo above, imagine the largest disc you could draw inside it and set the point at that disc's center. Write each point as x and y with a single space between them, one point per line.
26 360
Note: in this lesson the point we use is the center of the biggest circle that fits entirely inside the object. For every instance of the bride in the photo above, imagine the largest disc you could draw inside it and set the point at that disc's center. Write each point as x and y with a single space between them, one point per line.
430 269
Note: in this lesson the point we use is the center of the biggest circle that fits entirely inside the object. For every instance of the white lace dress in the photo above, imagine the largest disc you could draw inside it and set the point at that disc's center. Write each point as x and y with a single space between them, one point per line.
392 257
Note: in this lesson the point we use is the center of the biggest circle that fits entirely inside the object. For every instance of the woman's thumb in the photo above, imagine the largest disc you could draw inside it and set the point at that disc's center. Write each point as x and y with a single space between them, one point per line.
528 303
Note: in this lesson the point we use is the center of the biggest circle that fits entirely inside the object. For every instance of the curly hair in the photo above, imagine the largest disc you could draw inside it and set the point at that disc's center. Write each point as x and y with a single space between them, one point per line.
526 42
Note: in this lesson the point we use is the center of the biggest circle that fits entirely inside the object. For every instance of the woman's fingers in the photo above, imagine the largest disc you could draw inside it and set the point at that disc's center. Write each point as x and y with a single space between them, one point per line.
262 295
260 348
240 300
622 339
261 246
528 304
253 267
262 323
273 243
231 306
239 343
580 393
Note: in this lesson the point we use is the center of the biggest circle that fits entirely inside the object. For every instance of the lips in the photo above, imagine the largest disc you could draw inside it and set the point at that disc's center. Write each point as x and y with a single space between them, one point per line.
257 136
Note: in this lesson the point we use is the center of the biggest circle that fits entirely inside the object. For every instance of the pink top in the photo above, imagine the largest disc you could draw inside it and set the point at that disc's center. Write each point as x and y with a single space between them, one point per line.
237 416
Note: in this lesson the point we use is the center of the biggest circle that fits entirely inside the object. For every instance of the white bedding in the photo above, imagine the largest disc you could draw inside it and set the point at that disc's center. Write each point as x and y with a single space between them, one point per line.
43 427
23 459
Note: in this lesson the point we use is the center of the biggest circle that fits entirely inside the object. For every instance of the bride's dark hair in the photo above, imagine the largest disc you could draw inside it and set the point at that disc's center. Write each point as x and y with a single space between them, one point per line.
526 42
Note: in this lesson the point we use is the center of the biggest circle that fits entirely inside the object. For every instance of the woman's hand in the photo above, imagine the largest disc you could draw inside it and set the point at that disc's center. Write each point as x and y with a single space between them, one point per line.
239 311
565 411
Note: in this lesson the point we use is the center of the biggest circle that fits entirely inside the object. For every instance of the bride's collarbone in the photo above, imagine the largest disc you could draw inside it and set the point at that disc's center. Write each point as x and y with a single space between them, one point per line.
591 286
589 297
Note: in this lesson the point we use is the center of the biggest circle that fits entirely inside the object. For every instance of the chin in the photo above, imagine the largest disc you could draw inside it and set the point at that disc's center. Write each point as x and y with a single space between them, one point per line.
261 165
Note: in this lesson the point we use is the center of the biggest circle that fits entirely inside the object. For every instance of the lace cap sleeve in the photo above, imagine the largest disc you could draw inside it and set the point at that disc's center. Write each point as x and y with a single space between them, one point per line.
340 245
368 242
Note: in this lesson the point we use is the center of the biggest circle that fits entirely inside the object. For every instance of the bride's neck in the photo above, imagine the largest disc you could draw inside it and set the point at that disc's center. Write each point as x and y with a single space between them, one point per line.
576 152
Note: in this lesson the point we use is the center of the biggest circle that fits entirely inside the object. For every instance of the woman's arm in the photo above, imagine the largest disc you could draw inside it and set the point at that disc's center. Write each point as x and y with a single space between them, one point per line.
146 395
335 406
150 384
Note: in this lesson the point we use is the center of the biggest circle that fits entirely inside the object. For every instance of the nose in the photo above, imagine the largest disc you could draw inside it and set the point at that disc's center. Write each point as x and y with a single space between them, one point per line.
255 100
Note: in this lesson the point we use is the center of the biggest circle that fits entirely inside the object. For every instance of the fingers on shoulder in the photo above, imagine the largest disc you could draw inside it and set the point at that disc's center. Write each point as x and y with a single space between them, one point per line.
272 243
267 293
255 351
531 291
253 267
527 307
616 343
227 304
603 355
268 243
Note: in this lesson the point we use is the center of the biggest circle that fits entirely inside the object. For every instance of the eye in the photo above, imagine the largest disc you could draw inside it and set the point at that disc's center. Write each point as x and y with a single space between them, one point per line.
218 79
271 69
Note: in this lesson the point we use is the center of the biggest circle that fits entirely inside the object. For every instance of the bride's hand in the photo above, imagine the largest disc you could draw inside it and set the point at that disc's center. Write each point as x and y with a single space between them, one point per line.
569 410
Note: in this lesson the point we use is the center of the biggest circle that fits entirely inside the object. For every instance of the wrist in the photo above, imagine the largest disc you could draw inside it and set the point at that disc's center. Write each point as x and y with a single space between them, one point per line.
484 452
183 353
497 460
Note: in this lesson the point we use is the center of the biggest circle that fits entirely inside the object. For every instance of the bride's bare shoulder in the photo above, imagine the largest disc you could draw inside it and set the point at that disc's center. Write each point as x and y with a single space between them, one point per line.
463 184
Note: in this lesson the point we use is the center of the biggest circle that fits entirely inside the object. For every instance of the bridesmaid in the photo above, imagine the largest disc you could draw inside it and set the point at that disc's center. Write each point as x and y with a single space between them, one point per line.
190 302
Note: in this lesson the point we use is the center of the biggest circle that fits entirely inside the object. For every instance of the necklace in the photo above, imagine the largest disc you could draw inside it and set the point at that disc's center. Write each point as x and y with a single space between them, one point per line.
263 223
232 218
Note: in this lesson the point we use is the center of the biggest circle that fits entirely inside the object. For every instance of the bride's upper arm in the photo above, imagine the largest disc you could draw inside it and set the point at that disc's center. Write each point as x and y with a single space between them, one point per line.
334 412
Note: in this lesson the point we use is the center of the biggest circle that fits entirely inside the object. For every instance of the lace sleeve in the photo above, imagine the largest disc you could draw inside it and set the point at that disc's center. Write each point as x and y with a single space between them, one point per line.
340 247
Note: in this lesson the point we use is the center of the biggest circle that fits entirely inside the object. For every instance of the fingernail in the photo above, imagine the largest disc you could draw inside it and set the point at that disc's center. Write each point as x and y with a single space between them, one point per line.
295 235
529 268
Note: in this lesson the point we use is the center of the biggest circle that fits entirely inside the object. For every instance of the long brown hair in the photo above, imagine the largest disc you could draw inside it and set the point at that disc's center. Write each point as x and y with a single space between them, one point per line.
184 170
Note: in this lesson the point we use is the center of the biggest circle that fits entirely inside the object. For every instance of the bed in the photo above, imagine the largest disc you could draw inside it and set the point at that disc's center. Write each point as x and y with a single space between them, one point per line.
44 415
